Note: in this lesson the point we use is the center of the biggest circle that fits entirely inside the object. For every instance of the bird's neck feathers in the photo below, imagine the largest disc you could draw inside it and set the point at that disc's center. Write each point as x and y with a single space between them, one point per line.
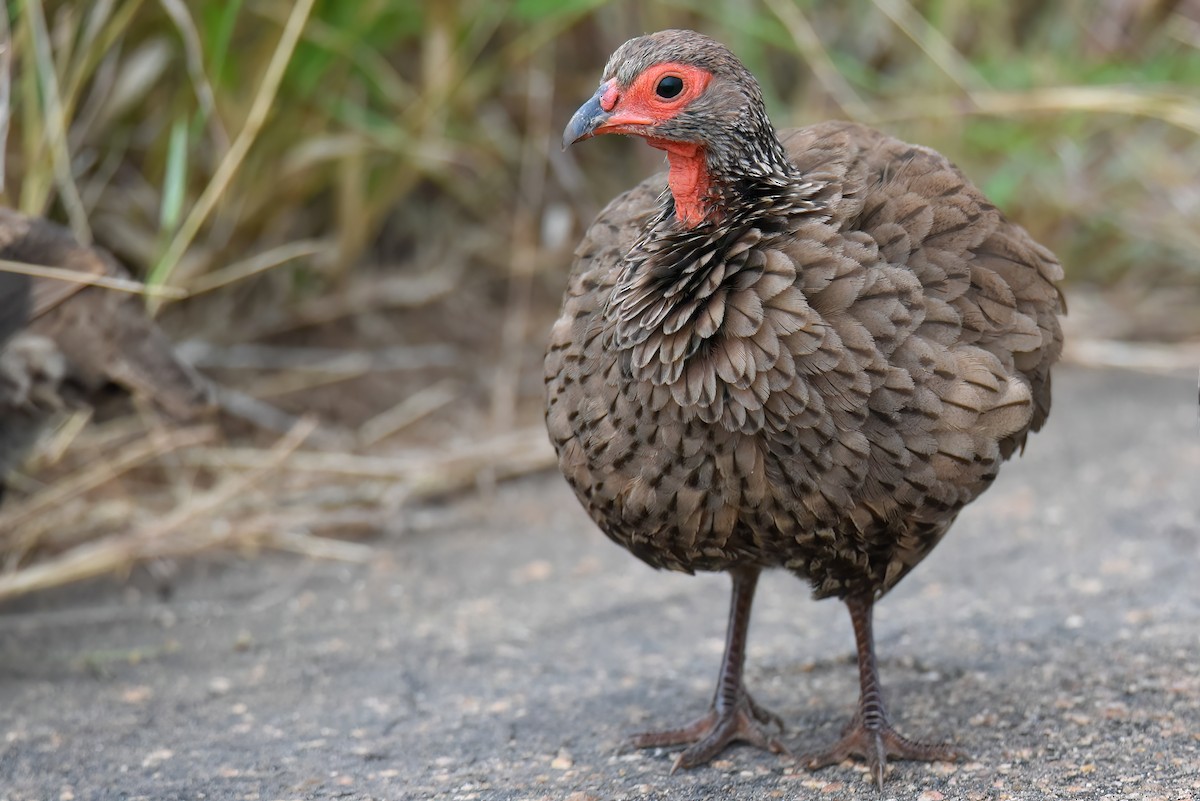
672 267
740 170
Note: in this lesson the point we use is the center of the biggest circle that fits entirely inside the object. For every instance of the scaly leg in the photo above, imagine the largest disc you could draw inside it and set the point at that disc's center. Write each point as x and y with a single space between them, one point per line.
869 734
734 715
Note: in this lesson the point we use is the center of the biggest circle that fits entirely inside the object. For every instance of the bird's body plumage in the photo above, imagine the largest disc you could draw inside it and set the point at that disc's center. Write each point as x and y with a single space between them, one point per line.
827 391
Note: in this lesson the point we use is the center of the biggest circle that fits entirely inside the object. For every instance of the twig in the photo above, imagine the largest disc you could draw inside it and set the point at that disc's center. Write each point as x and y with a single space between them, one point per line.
325 360
52 451
527 445
91 279
316 547
1176 108
272 385
269 418
456 477
408 411
260 262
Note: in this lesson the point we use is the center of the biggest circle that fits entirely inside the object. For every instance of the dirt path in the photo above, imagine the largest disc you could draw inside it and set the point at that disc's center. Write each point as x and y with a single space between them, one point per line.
501 648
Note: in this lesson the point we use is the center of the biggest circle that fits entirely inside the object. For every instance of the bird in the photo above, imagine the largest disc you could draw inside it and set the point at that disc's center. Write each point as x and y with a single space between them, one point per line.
64 341
803 349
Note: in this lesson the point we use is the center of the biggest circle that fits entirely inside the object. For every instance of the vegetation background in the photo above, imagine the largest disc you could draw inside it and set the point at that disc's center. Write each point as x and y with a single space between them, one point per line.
367 209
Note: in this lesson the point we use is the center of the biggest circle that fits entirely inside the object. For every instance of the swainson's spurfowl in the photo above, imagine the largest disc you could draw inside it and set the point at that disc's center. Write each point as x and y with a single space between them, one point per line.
70 339
805 349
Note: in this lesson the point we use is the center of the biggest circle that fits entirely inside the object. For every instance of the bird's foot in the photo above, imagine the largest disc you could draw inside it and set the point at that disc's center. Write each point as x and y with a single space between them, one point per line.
708 735
876 745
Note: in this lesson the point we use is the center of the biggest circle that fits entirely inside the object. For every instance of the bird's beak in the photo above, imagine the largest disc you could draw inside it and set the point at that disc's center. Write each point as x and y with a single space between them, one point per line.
586 120
606 113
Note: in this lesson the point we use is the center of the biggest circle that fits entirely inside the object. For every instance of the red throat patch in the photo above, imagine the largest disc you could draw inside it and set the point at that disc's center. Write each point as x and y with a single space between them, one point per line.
688 179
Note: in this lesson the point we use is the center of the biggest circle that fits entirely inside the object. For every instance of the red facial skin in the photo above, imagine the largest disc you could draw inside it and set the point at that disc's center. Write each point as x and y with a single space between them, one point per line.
639 107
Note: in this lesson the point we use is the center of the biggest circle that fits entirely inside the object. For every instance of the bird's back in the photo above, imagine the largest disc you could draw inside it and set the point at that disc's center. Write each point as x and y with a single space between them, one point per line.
103 335
829 395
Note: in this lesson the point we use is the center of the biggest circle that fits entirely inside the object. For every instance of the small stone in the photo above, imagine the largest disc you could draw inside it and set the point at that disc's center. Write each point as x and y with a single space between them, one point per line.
943 768
136 695
537 570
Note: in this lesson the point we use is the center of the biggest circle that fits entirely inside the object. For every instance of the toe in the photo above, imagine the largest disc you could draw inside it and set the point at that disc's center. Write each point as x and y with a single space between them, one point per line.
740 726
693 732
763 715
876 746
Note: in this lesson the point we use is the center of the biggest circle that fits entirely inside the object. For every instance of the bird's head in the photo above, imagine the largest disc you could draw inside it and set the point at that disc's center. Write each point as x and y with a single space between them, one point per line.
688 95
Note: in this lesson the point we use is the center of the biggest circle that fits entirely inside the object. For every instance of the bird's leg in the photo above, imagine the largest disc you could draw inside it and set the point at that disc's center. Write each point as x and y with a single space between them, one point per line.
869 734
734 715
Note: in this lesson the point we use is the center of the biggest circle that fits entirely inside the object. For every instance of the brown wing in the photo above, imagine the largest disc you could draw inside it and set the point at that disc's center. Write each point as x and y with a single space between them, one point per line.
948 310
927 218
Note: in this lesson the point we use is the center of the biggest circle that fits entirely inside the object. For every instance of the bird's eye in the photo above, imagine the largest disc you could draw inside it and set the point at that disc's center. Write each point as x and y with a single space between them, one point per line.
669 86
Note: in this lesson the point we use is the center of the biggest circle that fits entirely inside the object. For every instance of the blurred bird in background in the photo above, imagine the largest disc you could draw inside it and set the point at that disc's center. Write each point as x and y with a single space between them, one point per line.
64 341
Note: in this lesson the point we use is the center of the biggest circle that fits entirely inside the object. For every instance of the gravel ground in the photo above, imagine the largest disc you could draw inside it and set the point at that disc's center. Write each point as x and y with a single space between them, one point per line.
502 647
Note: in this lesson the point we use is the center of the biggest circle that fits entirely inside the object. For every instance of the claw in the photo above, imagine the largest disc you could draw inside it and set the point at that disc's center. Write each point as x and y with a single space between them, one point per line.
765 716
876 745
708 735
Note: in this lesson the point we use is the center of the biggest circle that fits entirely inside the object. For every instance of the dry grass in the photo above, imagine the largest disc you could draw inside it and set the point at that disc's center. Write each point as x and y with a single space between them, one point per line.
366 209
121 497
